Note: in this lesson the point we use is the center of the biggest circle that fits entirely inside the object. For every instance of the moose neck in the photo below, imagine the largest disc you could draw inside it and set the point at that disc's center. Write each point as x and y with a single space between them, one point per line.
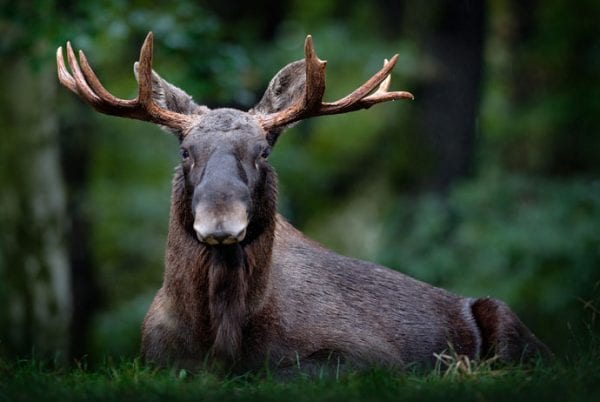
219 287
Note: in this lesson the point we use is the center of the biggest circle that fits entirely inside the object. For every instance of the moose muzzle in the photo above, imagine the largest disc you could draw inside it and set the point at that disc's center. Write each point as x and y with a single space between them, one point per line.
216 227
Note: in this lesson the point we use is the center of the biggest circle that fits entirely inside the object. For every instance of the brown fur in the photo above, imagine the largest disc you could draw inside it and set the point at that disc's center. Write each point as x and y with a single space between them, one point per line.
283 299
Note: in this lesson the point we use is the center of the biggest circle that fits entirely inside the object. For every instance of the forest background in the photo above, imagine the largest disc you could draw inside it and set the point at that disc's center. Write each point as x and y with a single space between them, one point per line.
486 184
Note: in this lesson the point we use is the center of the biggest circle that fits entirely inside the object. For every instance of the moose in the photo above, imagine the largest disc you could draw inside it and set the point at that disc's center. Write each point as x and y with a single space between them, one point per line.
242 287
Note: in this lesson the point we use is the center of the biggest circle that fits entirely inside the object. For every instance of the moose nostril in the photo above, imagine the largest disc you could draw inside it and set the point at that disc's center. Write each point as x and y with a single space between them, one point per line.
240 235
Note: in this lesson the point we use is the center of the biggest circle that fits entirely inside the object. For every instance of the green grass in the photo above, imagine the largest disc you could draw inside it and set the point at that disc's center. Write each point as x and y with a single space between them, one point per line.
575 379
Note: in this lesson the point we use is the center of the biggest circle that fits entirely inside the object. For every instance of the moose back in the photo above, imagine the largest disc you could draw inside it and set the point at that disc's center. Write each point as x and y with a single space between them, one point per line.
242 287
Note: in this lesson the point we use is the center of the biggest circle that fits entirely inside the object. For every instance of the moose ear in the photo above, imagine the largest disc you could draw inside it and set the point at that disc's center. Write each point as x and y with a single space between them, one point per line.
169 97
285 88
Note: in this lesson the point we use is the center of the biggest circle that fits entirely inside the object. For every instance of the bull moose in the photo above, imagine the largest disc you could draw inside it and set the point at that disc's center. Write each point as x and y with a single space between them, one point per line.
242 286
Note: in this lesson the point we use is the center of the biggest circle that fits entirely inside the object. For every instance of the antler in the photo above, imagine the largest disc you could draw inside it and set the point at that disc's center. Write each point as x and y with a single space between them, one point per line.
312 103
87 86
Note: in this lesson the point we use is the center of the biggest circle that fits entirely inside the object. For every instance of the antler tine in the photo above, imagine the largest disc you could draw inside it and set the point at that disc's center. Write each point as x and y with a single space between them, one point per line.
83 88
145 71
85 83
63 74
385 84
315 76
312 103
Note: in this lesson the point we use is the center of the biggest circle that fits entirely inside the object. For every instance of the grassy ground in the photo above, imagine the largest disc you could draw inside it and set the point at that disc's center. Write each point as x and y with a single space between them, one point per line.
576 379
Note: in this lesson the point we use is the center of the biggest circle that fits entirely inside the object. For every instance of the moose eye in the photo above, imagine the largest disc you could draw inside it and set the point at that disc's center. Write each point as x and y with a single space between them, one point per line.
265 153
184 154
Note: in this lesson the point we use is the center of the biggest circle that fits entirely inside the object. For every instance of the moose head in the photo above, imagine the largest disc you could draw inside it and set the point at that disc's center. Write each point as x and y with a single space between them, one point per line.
224 151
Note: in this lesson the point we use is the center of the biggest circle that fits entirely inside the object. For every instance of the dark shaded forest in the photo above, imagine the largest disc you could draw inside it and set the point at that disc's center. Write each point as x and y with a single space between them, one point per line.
488 183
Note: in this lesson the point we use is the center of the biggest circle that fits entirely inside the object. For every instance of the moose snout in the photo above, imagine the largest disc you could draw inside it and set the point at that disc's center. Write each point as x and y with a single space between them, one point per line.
215 227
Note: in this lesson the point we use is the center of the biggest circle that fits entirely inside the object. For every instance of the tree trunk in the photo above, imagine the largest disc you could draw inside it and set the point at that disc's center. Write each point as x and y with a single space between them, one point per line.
76 145
448 105
35 293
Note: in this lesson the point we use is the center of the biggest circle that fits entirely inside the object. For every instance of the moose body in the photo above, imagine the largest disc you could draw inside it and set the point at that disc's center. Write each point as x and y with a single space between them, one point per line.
313 303
242 286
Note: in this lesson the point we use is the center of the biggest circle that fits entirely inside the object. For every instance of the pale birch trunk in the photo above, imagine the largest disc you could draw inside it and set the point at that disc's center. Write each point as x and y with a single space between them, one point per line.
35 294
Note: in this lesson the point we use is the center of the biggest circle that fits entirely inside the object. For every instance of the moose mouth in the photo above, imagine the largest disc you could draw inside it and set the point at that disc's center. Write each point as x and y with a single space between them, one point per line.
221 238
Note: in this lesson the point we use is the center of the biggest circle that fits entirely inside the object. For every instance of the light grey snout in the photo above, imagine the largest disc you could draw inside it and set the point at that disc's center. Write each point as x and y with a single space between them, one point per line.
214 227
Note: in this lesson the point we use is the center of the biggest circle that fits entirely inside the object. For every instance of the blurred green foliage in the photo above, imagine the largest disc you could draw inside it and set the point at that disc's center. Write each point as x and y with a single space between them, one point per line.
539 110
525 227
